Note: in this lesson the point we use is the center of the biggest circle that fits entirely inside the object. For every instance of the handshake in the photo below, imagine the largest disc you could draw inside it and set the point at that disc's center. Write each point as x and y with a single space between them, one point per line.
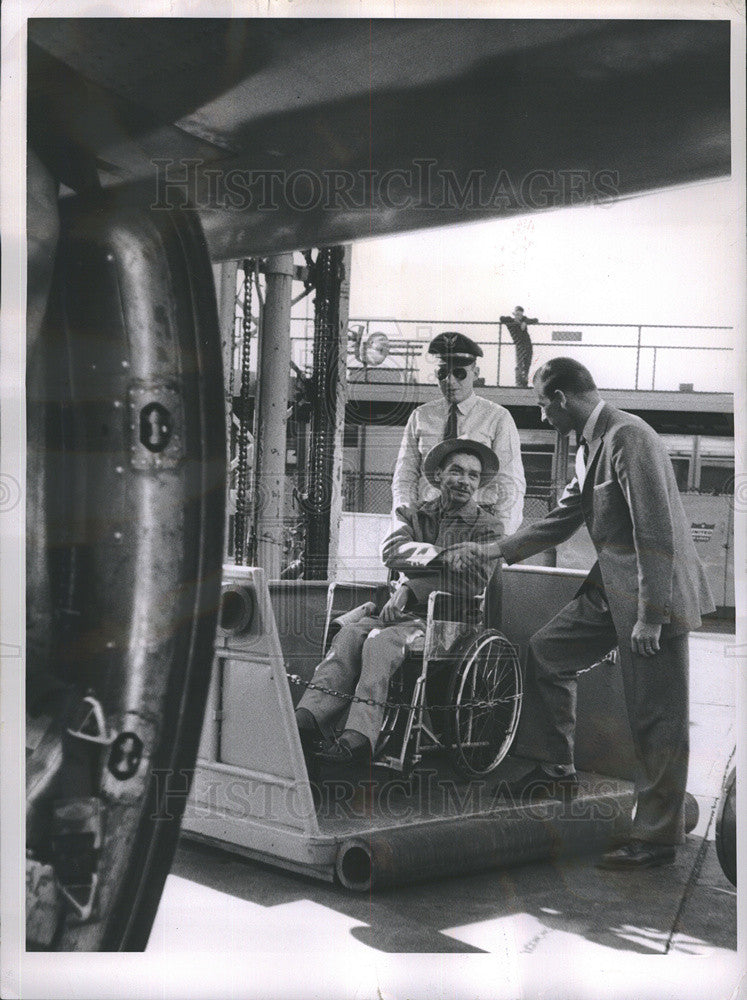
468 556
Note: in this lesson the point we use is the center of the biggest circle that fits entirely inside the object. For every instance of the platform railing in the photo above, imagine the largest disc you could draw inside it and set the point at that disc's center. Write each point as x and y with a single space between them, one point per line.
638 356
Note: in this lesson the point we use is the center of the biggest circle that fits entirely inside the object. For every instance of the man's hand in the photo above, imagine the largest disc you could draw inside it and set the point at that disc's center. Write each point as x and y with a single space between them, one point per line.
644 639
392 610
466 556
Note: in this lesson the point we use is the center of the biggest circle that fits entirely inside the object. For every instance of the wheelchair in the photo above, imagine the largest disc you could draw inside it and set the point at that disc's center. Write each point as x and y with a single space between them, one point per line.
459 688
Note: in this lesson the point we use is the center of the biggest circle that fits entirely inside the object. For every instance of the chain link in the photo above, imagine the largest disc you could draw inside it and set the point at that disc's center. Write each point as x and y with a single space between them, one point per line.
240 523
300 682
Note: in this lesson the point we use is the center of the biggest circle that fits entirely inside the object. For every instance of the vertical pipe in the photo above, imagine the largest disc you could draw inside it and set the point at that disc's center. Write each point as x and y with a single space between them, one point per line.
272 412
638 357
341 389
500 342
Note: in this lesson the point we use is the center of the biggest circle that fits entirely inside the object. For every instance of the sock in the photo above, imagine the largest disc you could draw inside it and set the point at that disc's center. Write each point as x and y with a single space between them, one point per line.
306 722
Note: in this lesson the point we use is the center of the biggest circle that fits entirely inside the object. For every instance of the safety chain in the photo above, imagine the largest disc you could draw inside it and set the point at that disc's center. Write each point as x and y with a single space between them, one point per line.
300 682
243 465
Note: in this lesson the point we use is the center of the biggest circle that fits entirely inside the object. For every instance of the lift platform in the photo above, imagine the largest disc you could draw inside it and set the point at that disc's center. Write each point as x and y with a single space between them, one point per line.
251 791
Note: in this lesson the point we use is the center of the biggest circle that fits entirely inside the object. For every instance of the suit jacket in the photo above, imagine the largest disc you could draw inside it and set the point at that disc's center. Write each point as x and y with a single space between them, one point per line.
428 523
631 505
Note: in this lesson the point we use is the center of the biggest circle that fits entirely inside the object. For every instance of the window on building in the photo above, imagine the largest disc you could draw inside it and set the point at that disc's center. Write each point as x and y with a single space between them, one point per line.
350 436
716 478
537 463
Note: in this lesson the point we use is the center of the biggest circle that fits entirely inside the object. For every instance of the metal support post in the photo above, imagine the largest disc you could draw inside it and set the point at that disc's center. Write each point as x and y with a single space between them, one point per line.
638 357
272 412
341 388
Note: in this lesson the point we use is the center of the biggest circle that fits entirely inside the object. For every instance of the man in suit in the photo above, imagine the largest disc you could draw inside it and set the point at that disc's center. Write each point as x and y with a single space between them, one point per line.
364 655
461 413
647 590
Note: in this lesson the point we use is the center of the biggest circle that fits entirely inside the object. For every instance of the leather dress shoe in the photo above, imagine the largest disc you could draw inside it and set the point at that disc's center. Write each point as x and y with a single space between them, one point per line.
312 740
342 753
637 854
539 785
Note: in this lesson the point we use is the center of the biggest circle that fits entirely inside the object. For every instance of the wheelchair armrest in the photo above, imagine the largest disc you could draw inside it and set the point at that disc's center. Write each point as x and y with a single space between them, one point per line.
375 592
345 618
354 615
445 606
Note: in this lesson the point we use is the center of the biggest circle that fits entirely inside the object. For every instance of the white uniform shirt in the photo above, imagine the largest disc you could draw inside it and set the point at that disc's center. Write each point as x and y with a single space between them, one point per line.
480 420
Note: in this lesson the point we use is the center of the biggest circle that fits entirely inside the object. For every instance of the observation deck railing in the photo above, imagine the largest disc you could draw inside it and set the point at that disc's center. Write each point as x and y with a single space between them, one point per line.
639 356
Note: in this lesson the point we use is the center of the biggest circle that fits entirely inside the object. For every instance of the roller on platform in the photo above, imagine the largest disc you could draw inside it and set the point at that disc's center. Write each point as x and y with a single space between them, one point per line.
510 836
503 837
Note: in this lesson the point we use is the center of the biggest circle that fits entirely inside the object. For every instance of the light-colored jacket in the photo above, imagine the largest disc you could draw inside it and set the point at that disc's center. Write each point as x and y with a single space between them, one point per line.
631 506
428 523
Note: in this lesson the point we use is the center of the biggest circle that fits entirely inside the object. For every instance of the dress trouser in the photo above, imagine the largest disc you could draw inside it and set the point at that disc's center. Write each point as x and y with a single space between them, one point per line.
656 696
361 659
524 352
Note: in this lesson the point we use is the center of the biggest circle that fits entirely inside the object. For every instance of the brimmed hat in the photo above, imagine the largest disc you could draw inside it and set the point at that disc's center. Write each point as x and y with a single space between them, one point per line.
435 457
455 346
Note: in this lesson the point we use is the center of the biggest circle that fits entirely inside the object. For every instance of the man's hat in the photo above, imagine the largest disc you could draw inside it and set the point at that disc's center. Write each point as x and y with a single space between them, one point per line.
435 458
455 346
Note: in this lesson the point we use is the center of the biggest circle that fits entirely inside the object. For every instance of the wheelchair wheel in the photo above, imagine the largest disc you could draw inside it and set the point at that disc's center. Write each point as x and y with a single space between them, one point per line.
480 735
392 716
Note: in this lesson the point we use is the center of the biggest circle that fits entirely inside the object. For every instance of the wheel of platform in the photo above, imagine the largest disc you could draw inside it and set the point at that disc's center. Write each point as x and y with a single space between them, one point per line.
726 828
480 735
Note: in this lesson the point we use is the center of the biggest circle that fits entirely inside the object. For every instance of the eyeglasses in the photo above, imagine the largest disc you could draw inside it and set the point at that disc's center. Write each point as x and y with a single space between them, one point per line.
443 372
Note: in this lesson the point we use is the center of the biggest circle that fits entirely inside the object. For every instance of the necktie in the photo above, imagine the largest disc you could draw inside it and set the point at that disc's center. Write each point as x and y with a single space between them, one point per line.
582 454
450 430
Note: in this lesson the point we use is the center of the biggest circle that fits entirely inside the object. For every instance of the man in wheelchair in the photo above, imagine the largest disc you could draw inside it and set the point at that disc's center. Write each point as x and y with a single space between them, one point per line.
364 655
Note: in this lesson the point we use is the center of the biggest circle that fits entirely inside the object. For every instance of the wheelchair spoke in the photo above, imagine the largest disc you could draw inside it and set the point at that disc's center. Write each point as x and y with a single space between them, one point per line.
487 696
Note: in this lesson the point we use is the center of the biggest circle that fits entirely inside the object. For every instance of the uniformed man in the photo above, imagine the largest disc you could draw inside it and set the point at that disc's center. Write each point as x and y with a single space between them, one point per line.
461 413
